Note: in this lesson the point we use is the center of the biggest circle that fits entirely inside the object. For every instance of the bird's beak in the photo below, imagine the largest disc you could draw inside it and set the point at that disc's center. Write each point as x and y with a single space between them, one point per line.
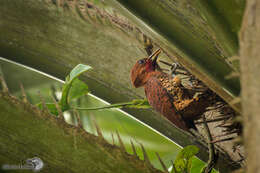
154 56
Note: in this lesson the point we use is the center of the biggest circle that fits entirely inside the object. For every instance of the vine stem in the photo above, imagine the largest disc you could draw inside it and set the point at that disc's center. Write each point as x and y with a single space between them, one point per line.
212 155
120 105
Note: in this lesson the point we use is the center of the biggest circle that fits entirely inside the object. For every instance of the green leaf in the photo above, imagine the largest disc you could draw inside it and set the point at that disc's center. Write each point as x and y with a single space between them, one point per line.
64 98
78 70
184 158
77 89
51 107
197 165
75 72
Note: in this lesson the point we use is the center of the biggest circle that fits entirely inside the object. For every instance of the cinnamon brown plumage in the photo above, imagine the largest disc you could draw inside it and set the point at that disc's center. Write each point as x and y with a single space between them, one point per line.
166 94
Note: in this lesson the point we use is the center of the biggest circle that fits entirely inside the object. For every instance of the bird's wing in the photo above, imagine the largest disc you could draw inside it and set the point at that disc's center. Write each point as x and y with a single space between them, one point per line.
182 99
163 102
175 88
194 86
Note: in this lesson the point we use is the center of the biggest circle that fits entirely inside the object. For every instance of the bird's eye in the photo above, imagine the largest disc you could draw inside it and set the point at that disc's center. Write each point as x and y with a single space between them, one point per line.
141 61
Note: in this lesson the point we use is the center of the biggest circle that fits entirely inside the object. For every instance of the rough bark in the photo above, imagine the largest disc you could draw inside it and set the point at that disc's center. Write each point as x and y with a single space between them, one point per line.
250 72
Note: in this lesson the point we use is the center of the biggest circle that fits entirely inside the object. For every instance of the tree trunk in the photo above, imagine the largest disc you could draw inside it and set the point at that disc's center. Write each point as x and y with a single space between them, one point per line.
250 72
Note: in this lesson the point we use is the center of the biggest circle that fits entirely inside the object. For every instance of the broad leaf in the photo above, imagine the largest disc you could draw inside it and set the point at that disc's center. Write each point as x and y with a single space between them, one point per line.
78 89
76 71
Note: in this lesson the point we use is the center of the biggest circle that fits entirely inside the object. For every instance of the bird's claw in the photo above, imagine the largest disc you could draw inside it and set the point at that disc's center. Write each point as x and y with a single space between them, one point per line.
174 67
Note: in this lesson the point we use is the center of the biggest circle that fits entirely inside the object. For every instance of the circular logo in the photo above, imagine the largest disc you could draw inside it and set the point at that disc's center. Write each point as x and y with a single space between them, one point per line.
36 163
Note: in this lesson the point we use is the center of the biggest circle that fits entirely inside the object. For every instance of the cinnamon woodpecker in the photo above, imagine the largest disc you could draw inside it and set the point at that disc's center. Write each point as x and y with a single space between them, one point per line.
166 94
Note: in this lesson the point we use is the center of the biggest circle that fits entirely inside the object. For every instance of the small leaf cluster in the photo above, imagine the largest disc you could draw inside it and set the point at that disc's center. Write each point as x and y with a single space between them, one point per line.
72 89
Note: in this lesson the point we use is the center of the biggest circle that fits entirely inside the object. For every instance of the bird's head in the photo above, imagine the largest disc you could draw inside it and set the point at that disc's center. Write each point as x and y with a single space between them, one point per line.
142 68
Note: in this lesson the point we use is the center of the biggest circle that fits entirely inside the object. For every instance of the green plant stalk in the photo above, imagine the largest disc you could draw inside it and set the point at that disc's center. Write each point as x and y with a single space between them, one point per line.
118 105
64 98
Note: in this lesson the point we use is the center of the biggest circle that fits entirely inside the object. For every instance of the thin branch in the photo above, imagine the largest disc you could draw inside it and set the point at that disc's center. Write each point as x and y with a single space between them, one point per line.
212 155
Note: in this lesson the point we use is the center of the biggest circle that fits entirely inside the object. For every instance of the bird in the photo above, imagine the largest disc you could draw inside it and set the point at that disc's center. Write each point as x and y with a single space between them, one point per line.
166 94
